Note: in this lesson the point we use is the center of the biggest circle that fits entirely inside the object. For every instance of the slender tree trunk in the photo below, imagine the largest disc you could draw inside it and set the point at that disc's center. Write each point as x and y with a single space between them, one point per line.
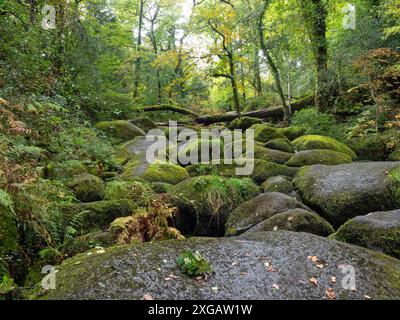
273 68
315 13
257 72
322 86
235 91
32 11
139 58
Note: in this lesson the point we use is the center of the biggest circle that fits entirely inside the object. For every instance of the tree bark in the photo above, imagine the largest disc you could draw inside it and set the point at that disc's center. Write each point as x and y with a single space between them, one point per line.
273 68
138 61
319 32
235 91
257 73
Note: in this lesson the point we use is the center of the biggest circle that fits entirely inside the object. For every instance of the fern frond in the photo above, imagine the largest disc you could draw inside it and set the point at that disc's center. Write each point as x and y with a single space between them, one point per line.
6 201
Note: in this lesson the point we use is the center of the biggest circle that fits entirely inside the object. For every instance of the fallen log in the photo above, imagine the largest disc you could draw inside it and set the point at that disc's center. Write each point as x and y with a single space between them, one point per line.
276 111
168 107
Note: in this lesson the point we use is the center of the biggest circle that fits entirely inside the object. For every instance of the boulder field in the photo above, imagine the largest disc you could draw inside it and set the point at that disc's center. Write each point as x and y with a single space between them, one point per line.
308 207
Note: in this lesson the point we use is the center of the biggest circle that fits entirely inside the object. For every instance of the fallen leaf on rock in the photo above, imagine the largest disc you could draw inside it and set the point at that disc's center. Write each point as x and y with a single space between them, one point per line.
167 279
243 273
314 281
172 276
320 266
234 263
330 294
275 286
215 289
313 258
147 296
333 279
275 228
367 297
290 218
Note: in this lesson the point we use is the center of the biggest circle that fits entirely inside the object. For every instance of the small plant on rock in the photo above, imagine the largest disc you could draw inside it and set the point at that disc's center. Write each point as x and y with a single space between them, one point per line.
194 264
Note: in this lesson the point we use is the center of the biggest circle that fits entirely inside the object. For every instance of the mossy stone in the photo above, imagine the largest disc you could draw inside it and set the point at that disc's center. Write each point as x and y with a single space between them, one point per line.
121 130
65 170
311 157
202 169
87 187
293 132
144 123
266 154
264 170
280 184
312 142
127 272
244 123
342 192
72 247
378 231
165 172
161 187
213 198
258 209
298 220
281 145
369 147
265 133
135 190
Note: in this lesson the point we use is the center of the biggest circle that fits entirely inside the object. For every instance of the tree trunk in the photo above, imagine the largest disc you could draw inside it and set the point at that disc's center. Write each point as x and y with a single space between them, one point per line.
235 91
257 73
318 37
274 69
139 58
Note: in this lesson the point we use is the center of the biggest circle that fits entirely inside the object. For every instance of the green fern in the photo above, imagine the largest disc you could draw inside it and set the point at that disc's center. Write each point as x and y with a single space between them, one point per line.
6 201
27 152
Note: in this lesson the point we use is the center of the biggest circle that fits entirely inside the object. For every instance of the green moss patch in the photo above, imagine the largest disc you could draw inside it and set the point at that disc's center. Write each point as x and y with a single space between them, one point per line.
312 142
312 157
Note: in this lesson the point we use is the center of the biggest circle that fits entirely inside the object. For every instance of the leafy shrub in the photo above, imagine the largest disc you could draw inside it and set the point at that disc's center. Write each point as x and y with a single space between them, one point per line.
194 264
319 123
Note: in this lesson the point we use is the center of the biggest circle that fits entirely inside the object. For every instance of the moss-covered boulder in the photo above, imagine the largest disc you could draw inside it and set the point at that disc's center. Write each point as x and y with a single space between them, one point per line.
258 209
369 147
311 157
137 191
280 144
97 238
342 192
201 169
377 147
165 172
144 123
280 184
312 142
298 220
265 133
86 217
195 148
133 271
293 132
264 170
244 123
121 130
133 153
87 187
66 170
213 198
378 231
266 154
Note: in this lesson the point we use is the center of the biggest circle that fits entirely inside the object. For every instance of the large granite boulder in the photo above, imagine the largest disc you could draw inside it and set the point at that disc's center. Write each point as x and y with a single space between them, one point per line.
377 231
265 265
342 192
258 209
